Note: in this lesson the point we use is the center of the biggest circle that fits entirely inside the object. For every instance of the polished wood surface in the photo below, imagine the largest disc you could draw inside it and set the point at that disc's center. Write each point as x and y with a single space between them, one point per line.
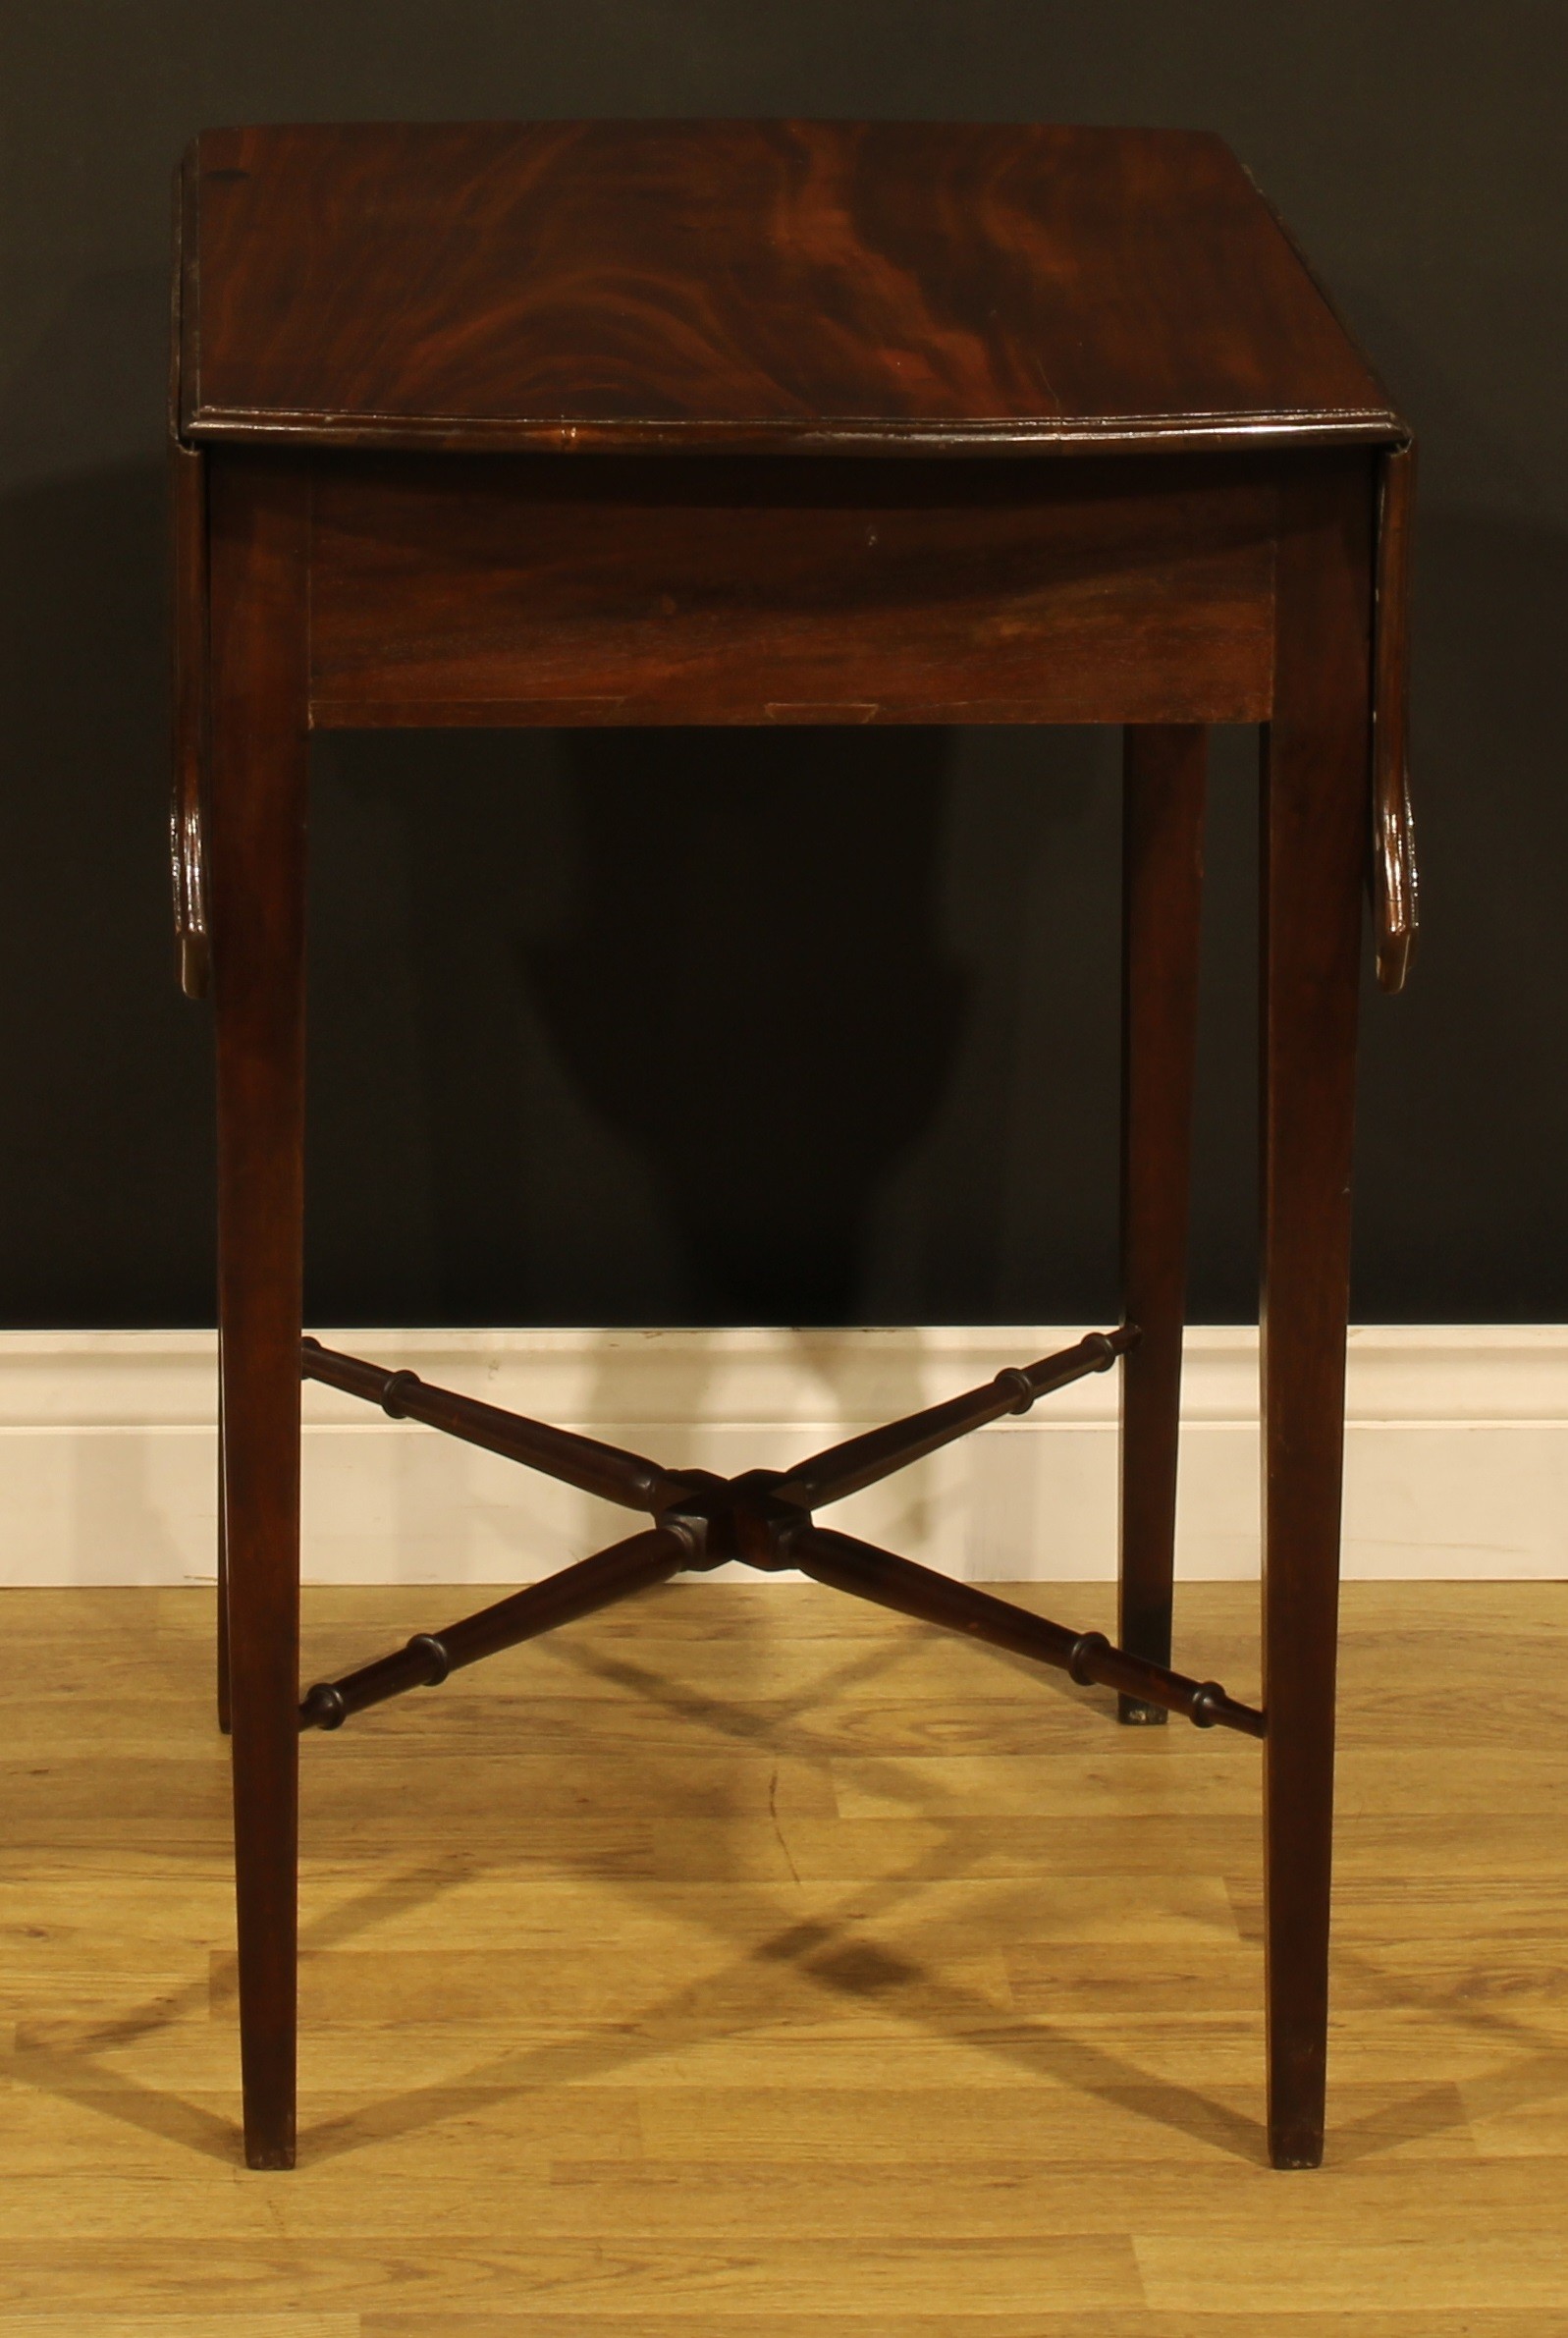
1313 852
1164 774
747 1963
535 590
767 284
585 1462
258 572
761 1518
470 427
187 516
1395 889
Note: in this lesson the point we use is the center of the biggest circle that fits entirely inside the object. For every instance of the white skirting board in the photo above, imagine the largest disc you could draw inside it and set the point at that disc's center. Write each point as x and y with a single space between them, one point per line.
1456 1451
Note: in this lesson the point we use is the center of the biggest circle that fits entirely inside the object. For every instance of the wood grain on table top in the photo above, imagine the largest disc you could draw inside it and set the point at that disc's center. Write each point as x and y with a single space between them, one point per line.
750 284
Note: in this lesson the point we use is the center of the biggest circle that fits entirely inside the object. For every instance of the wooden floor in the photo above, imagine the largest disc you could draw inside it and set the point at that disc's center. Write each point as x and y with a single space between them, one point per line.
746 1964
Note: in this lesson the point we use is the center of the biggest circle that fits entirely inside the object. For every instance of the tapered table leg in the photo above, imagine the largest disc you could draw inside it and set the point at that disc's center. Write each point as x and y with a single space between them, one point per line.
223 1579
1163 808
257 869
1315 830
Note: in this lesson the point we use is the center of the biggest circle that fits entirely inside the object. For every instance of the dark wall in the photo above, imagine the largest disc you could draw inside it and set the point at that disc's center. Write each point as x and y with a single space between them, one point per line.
534 1101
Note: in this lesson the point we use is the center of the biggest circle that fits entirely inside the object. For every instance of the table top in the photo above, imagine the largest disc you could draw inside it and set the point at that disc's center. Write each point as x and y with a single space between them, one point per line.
749 286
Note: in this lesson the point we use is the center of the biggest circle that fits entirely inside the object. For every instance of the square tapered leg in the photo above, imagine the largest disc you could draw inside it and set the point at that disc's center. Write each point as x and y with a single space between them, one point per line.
1163 811
258 757
1315 842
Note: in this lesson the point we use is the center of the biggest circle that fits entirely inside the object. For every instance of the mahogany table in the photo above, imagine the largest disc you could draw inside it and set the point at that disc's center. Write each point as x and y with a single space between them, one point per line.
794 422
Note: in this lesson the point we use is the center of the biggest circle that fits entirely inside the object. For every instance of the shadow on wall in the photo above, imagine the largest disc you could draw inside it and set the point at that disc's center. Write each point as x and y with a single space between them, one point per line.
733 1026
681 999
754 992
793 1026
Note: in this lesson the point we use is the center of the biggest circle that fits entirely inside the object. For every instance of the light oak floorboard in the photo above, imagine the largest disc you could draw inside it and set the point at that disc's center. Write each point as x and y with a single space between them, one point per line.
747 1964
